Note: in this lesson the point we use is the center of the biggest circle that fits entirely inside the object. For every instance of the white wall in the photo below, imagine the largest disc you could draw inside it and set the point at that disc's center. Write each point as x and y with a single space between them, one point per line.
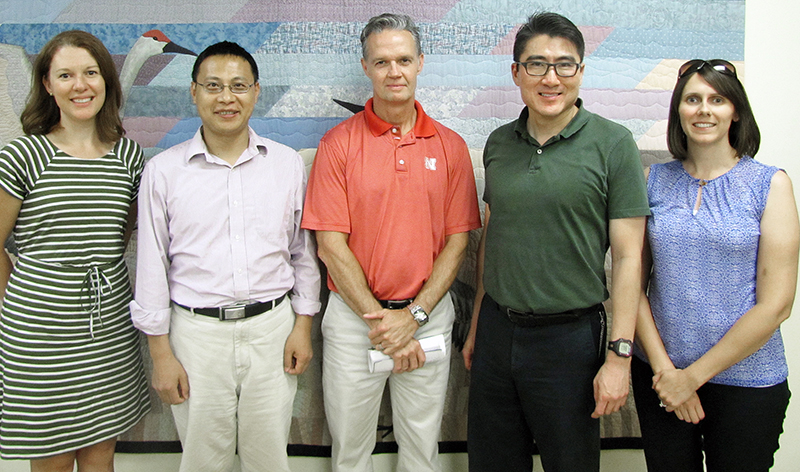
772 81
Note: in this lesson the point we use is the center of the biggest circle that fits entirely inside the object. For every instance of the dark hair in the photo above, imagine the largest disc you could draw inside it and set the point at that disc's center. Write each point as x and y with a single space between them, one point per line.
42 115
389 21
225 48
550 24
743 134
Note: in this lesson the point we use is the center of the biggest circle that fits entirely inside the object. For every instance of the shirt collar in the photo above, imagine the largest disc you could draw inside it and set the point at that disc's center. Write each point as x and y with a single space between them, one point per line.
575 124
423 128
198 148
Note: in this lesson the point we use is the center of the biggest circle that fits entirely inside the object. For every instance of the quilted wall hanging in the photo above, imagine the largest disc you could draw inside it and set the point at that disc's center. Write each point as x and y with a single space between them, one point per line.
308 54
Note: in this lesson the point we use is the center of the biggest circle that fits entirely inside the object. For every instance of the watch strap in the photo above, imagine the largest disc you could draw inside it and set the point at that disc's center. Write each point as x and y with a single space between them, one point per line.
621 347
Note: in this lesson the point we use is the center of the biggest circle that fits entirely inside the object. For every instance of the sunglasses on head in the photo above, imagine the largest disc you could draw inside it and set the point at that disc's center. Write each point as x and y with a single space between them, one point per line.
719 65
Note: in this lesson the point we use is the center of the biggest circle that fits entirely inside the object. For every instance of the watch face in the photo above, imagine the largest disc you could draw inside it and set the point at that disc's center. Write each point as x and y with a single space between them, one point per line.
419 314
622 347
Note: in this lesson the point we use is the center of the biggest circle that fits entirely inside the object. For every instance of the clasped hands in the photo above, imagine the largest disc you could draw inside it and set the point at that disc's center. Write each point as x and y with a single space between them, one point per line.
392 331
677 390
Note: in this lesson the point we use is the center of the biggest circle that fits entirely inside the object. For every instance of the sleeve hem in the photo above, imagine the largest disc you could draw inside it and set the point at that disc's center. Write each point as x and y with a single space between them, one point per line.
632 213
150 322
463 228
316 226
302 306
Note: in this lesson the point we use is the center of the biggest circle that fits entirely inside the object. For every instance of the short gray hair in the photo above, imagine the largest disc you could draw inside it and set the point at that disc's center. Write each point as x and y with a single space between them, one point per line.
389 21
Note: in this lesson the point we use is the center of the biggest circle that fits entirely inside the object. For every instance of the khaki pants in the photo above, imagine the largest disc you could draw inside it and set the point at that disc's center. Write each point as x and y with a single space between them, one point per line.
353 395
239 394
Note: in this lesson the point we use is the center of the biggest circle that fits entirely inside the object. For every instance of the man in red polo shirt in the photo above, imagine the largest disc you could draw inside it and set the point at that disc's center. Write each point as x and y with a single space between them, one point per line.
392 198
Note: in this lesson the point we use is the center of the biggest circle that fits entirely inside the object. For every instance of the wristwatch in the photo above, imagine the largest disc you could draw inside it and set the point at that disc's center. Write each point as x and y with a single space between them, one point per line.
419 314
621 347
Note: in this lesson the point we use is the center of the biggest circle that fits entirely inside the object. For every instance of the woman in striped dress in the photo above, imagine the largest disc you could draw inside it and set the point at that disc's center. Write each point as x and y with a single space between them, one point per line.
71 375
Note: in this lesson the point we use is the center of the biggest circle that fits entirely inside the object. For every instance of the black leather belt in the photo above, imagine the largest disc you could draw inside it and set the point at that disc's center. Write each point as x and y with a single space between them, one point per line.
236 311
395 304
529 319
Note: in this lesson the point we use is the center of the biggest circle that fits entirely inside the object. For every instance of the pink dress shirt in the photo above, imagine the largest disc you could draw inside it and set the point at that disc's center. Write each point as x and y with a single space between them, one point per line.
211 234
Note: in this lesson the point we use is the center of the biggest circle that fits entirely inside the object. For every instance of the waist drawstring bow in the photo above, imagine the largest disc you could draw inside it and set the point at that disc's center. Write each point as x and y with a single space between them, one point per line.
96 284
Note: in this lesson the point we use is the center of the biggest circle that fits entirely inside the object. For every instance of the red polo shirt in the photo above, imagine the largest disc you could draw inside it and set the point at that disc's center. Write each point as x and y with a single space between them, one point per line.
397 197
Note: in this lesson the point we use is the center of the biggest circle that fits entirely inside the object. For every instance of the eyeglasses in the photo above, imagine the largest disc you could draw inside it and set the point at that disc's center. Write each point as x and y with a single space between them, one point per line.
719 65
214 87
539 68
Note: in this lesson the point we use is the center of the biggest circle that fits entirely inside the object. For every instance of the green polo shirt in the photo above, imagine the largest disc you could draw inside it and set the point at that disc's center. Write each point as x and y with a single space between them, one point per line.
548 233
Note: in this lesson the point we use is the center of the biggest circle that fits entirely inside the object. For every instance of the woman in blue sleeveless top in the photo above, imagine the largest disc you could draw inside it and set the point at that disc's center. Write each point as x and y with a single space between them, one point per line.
722 241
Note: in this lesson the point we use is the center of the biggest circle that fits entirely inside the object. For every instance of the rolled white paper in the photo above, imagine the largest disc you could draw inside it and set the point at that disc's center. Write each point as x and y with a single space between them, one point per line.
434 346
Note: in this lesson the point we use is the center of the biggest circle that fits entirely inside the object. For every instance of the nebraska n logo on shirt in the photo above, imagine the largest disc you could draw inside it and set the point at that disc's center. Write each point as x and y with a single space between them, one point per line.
430 163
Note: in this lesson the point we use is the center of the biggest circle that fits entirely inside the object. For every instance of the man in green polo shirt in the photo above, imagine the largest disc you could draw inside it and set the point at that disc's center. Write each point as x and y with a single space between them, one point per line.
562 185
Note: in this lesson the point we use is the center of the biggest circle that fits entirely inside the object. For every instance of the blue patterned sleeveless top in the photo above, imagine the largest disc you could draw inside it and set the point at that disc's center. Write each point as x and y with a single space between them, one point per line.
704 264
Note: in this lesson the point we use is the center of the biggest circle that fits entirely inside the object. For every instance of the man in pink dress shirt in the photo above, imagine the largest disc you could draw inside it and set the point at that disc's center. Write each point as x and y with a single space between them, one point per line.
227 280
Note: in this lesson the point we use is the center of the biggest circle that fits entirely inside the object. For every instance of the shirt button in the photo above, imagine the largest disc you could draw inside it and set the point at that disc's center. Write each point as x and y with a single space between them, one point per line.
538 151
237 237
394 130
402 162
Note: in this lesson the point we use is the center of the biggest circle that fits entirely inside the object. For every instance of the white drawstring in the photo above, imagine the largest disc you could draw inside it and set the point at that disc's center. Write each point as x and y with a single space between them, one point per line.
95 282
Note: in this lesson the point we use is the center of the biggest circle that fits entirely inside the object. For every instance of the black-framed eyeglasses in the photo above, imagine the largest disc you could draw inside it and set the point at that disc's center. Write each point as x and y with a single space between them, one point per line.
720 65
540 68
215 87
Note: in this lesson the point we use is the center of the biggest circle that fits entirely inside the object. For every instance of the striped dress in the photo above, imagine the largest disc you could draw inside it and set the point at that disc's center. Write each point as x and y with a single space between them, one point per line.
71 372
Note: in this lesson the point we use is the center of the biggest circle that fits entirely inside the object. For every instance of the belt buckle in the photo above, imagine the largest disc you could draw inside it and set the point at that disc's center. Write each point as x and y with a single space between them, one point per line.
514 313
234 311
397 304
